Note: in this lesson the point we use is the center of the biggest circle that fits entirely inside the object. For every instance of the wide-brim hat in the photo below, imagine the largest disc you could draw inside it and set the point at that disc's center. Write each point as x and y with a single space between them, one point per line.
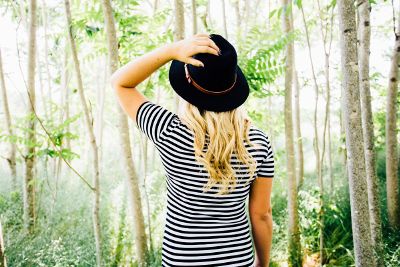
218 86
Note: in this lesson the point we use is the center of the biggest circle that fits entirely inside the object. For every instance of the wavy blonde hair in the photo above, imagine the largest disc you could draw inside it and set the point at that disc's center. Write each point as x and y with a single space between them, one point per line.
227 131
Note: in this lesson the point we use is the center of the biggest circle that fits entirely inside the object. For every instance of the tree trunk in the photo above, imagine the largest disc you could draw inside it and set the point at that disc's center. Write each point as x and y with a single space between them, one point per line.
133 180
245 17
100 90
354 136
224 19
46 50
194 15
342 135
179 33
318 158
392 184
155 7
327 51
238 20
89 126
13 149
29 182
364 31
297 132
65 87
64 115
3 261
295 257
329 141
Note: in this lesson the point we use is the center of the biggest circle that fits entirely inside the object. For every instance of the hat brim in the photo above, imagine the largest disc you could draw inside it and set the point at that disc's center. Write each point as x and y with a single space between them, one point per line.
231 100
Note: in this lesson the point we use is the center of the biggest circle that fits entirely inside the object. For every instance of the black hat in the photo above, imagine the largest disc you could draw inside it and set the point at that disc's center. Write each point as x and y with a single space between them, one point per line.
218 86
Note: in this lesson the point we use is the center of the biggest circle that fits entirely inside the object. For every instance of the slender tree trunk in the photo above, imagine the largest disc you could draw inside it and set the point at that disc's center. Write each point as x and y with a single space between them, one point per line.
101 86
342 135
194 15
392 184
297 132
46 50
41 86
295 257
155 7
145 183
63 115
205 18
364 31
329 141
93 145
179 32
316 89
224 19
3 260
238 20
29 182
354 137
318 158
245 17
327 50
133 179
65 82
12 152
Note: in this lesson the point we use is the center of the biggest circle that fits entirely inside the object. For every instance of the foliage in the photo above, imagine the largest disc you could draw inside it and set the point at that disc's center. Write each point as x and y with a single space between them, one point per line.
261 58
64 240
337 237
50 142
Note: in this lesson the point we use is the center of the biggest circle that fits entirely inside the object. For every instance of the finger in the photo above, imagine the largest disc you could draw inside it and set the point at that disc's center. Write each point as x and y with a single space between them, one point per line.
208 42
202 35
195 62
206 49
213 45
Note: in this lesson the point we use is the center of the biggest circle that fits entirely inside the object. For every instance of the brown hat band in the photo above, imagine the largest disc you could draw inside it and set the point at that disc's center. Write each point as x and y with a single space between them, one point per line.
190 80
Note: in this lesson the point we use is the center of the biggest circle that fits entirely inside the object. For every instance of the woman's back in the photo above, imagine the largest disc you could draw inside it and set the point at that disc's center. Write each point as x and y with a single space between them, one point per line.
202 228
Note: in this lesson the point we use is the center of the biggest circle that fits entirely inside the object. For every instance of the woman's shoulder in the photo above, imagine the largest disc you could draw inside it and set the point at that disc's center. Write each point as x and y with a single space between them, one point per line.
257 132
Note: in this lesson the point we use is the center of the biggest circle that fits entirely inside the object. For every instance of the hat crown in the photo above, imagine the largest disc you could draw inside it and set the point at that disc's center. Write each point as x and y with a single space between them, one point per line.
218 72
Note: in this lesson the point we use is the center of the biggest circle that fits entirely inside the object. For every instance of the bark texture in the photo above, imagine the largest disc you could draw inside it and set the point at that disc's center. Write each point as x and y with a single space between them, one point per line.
392 184
92 139
133 180
29 181
224 19
295 257
364 31
354 137
298 136
194 17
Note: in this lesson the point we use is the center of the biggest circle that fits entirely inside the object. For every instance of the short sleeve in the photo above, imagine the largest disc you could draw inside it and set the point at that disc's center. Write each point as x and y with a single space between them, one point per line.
266 168
153 120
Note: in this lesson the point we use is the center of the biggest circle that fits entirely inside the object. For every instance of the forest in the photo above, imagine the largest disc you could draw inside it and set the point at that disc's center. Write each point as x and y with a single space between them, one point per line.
80 185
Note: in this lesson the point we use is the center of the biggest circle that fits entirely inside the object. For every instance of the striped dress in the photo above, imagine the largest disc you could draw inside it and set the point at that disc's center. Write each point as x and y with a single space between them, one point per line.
201 229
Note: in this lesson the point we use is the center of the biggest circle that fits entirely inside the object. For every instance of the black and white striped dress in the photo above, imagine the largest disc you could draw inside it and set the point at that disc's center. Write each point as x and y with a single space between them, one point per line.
201 229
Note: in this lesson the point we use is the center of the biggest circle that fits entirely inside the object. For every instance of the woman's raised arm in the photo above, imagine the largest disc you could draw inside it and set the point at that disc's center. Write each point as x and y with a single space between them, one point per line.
126 78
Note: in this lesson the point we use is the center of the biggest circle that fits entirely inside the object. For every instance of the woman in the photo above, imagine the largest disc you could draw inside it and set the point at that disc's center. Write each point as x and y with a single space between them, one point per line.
213 156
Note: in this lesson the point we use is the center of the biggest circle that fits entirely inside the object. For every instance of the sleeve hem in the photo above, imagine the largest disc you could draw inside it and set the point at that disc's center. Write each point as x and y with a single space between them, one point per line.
138 110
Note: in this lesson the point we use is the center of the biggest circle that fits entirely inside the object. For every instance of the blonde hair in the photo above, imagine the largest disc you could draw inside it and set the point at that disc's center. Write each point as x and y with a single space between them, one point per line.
227 132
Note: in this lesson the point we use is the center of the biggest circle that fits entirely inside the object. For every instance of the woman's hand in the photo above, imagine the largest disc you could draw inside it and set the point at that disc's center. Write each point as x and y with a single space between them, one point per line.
200 43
